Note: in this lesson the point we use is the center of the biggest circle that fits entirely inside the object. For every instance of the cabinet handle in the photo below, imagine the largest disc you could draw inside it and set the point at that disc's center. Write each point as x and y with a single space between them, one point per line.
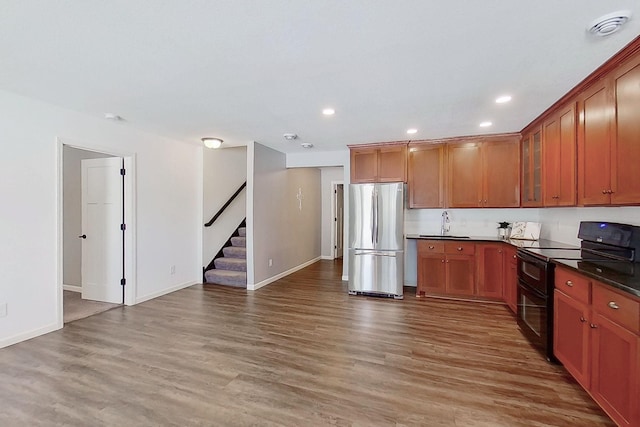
441 260
459 248
431 247
582 319
592 326
610 191
514 257
604 191
613 305
447 261
569 283
485 202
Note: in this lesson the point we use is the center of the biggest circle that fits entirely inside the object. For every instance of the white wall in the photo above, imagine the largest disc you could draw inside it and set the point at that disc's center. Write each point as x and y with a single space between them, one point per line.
72 212
281 231
168 209
224 170
328 176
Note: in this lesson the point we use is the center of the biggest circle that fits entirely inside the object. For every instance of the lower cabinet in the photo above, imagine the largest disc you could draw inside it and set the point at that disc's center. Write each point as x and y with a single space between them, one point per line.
445 268
490 278
597 339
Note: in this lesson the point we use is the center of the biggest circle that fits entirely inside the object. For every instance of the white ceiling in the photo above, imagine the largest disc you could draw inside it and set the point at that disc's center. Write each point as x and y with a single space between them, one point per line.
252 70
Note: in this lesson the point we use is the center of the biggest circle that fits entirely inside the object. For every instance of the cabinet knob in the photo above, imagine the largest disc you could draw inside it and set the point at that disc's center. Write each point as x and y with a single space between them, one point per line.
604 191
582 319
569 283
610 191
613 305
447 261
459 248
441 260
431 247
592 326
514 257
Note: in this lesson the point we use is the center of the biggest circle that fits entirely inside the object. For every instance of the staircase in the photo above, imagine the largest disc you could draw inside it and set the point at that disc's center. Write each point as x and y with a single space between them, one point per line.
231 268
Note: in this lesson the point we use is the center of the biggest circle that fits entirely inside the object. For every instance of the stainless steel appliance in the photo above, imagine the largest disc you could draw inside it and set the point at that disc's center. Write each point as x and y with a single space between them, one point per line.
603 245
376 246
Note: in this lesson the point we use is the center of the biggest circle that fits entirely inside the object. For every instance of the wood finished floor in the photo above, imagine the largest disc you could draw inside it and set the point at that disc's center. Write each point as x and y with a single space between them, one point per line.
299 352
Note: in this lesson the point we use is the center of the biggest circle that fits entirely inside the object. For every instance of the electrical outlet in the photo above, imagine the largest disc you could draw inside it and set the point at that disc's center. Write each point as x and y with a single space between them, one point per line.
172 270
270 262
3 309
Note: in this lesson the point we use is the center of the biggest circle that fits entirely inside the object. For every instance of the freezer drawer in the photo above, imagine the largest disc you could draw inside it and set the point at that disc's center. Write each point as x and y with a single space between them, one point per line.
377 272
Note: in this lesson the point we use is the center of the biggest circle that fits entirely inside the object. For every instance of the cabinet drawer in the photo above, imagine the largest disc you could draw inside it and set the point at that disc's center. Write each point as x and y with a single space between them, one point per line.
460 248
619 308
574 285
430 246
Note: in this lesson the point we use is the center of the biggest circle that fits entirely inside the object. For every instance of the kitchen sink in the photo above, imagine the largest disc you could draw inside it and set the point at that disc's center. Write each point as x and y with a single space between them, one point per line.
438 236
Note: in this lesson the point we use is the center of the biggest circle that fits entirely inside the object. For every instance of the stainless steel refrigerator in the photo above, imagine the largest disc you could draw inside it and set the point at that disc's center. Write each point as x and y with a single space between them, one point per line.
376 239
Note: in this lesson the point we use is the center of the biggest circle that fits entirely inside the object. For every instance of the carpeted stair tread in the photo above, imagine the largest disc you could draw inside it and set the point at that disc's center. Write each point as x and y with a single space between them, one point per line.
242 231
239 241
234 264
227 277
235 252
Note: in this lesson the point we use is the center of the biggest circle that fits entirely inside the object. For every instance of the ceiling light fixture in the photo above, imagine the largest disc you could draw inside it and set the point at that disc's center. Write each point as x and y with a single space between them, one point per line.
307 145
412 131
503 99
485 124
212 142
328 111
290 136
609 23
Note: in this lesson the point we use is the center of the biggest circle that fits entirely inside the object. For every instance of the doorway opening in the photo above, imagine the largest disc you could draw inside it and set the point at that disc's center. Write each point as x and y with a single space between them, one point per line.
337 223
96 261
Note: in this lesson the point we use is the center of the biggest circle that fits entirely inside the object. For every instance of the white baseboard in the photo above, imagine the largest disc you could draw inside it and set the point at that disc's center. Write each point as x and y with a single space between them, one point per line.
257 286
345 278
28 335
72 288
148 297
329 257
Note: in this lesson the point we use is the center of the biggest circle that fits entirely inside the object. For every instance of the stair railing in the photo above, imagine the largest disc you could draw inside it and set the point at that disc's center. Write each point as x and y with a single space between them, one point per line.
208 224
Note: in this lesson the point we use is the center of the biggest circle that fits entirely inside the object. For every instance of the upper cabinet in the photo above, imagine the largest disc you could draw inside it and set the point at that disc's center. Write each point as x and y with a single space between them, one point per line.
484 174
426 175
559 158
379 163
532 168
608 135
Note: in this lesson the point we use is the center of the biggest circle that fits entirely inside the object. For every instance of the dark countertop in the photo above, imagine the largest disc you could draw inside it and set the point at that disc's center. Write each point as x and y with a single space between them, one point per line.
542 243
629 283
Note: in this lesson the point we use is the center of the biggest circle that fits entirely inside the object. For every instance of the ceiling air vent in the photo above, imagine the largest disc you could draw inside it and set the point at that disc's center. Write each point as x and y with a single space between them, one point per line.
610 23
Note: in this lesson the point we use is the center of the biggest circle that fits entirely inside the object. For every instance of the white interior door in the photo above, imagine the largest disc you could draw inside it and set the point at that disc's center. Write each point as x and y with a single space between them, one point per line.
102 207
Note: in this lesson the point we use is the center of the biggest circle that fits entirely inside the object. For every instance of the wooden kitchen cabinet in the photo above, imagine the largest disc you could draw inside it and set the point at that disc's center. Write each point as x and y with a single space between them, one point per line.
445 268
379 163
597 339
559 158
608 134
532 168
510 275
490 270
484 173
426 175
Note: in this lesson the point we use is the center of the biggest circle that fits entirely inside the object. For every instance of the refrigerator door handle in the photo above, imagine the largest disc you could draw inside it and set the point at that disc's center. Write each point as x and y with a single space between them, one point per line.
376 253
377 201
373 218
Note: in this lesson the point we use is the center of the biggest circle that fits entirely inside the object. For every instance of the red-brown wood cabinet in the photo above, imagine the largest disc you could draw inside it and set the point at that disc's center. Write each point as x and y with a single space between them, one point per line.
426 169
597 339
559 158
379 163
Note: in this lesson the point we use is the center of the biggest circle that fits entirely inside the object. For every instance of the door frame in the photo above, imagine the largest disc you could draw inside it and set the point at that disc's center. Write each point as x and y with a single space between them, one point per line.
334 224
130 215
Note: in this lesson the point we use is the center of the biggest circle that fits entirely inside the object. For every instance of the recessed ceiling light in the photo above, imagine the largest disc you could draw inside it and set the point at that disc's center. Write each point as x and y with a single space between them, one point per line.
328 111
290 136
212 142
503 99
307 145
485 124
112 116
412 131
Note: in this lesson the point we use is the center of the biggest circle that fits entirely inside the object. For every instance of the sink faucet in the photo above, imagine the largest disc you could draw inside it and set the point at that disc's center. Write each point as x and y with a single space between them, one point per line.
445 223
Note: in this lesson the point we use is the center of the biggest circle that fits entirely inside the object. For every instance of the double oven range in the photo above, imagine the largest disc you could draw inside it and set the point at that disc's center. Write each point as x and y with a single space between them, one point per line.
604 246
